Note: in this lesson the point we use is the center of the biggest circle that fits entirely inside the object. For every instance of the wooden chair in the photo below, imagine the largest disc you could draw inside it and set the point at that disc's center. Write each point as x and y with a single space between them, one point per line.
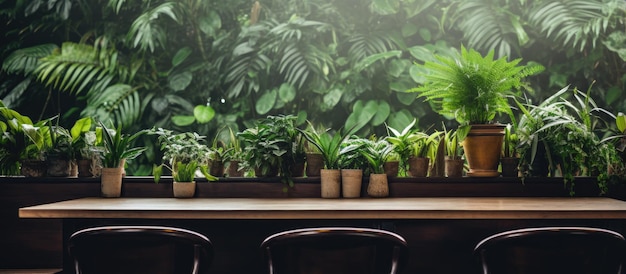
139 249
330 250
572 250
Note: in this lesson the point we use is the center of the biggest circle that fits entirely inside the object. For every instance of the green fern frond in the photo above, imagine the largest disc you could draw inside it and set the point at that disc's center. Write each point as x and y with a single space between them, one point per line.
26 60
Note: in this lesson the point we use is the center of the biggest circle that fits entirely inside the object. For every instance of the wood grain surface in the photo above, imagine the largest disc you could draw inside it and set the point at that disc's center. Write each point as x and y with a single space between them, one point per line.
317 208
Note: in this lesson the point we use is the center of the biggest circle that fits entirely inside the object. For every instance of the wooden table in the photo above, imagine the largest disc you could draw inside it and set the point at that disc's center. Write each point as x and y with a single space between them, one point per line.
314 208
438 230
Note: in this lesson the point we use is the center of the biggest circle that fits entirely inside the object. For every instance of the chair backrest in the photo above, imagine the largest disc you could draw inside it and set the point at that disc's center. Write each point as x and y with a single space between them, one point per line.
552 250
328 250
139 249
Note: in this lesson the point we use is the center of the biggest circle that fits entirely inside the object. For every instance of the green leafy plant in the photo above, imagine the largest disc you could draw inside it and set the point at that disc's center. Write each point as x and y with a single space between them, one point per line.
402 140
376 153
509 148
350 153
328 145
564 134
471 88
452 144
118 146
234 150
21 139
183 154
270 145
425 145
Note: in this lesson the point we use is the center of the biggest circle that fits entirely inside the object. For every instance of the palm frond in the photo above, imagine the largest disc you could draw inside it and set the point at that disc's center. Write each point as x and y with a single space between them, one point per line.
364 45
146 33
575 23
26 60
120 103
75 66
487 27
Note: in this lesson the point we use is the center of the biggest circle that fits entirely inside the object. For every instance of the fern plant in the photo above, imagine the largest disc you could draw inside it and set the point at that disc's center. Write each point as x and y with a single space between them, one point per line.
471 88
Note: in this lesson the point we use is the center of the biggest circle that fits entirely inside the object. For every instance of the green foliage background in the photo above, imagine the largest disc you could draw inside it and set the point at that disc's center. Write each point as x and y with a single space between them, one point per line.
201 65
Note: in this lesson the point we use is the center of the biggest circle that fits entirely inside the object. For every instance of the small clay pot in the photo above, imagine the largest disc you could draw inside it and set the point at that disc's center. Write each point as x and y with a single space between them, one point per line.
330 183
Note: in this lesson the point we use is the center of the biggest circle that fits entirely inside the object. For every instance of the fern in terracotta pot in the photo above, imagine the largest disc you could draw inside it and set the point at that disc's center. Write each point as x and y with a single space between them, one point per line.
474 89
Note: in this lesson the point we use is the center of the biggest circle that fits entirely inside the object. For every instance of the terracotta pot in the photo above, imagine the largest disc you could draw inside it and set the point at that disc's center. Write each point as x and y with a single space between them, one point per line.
84 168
33 168
330 183
217 168
297 170
314 163
378 186
454 167
272 171
351 180
111 182
233 169
58 166
482 148
184 189
391 168
509 166
418 166
73 168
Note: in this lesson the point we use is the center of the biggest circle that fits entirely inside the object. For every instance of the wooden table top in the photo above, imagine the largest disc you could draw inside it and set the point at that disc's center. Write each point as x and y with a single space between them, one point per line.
318 208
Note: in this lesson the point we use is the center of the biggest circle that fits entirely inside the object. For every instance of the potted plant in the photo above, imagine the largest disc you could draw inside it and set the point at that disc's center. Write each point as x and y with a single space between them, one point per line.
314 159
402 141
88 147
351 165
557 138
474 89
216 155
454 161
60 155
234 156
183 155
269 147
392 164
422 153
118 148
376 151
510 159
329 146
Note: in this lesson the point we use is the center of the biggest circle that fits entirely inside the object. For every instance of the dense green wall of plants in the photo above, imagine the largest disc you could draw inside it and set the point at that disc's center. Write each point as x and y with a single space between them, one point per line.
201 65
